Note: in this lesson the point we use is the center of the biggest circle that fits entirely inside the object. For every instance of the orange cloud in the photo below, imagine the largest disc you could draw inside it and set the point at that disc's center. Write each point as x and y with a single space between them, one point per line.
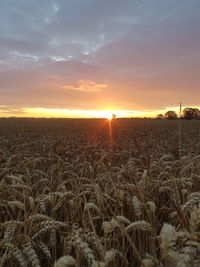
87 86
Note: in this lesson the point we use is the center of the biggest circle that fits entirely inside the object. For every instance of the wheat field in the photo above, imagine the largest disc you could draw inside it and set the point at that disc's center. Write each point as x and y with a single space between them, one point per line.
99 193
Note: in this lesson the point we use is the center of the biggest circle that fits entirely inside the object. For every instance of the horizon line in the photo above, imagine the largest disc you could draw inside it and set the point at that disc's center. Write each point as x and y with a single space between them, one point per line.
36 112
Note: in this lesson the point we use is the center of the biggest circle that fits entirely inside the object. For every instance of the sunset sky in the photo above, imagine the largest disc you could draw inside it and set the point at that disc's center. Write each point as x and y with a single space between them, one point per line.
78 58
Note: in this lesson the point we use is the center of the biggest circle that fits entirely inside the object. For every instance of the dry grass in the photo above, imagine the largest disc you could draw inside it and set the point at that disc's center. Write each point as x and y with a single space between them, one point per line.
71 197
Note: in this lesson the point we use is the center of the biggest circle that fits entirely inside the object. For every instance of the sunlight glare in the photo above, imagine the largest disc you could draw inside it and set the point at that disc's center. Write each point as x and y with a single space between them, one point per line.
78 113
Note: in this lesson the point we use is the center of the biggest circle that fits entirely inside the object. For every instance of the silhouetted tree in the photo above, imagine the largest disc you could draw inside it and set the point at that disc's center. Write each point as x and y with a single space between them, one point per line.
114 116
171 115
191 113
160 117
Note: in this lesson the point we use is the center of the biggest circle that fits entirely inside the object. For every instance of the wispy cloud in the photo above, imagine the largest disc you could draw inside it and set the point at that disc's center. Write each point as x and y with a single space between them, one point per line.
87 86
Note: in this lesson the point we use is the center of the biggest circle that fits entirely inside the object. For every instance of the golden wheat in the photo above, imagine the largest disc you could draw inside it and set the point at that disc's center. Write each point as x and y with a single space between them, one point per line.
70 197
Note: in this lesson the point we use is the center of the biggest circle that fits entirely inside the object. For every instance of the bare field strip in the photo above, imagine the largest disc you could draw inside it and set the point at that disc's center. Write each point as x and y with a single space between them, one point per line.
99 193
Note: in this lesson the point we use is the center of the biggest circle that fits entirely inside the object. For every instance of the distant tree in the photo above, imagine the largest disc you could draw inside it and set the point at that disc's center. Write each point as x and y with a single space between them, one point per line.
160 117
191 113
171 115
114 116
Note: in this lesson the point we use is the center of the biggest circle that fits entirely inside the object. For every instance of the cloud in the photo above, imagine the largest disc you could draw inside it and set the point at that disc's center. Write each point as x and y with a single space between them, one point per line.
87 86
7 111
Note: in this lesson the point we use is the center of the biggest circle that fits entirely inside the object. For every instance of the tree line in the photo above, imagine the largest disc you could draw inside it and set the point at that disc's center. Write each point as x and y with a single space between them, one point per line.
188 114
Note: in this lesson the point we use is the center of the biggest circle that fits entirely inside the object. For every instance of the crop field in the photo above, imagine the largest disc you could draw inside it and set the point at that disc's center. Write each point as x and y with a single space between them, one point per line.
95 193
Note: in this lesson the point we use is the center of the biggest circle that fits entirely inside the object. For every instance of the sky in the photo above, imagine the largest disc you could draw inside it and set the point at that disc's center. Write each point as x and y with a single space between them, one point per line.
78 58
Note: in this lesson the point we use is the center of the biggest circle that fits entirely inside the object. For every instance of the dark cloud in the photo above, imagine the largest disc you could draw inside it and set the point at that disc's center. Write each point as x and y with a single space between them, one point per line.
141 50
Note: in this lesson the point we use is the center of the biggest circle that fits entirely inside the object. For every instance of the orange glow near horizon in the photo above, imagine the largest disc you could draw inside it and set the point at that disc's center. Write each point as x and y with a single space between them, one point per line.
104 113
78 113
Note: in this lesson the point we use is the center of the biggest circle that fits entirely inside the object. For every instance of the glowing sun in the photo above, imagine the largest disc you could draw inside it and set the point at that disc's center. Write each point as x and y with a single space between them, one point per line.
107 114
